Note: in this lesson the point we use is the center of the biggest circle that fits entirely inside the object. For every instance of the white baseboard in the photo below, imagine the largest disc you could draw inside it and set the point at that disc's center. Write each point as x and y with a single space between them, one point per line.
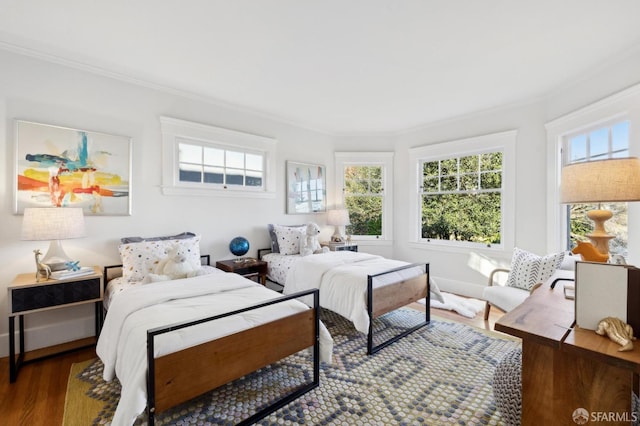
50 334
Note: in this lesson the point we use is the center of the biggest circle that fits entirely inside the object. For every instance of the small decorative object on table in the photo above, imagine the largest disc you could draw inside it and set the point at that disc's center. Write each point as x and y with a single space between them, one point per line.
73 265
618 331
239 246
42 269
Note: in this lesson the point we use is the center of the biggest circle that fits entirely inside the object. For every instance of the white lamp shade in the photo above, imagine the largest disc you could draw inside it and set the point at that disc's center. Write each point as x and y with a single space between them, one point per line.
52 223
338 217
613 180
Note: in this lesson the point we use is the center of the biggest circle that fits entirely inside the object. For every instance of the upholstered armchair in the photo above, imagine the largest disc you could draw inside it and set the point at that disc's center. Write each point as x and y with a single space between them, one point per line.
527 273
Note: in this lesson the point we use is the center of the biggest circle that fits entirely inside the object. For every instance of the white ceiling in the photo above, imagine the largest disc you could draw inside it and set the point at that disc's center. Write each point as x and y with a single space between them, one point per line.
339 66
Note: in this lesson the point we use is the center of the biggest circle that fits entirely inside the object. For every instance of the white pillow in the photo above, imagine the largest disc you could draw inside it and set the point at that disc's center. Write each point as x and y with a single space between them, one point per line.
289 238
140 259
528 269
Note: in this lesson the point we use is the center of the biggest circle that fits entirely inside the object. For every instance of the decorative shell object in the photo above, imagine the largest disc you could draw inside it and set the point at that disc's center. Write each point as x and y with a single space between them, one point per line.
618 331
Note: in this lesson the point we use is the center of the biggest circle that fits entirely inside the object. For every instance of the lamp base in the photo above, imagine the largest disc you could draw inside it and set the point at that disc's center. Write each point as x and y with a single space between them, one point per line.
599 237
337 236
56 257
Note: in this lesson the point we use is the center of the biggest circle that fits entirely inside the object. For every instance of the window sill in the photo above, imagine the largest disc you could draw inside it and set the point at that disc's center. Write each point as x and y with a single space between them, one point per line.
450 248
208 192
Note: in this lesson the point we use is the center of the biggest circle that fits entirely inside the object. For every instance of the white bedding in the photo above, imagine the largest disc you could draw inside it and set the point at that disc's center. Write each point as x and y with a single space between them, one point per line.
120 284
341 277
122 342
279 266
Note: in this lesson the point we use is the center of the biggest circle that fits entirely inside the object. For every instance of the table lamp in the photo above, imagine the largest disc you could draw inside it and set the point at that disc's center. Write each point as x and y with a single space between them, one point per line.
338 218
612 180
55 224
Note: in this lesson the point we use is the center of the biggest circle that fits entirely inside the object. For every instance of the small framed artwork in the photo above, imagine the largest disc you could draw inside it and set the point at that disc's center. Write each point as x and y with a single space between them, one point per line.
63 167
306 188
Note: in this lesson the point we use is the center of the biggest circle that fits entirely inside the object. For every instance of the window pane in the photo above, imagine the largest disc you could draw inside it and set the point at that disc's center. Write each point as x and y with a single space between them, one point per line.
365 215
468 182
578 148
462 217
254 178
189 153
491 180
469 164
599 143
254 162
449 183
430 185
234 177
235 159
431 168
214 157
491 161
214 175
375 187
190 173
376 173
620 138
449 167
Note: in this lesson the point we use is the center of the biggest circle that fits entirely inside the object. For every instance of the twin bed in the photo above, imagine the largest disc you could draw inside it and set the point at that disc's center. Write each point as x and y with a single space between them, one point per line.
223 326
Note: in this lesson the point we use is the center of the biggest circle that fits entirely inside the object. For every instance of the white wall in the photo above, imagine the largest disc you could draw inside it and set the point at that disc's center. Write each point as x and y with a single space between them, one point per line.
31 89
43 92
466 272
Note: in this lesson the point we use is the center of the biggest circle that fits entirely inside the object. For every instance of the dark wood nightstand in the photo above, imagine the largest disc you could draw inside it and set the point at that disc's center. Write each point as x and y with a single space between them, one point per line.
27 295
340 246
245 266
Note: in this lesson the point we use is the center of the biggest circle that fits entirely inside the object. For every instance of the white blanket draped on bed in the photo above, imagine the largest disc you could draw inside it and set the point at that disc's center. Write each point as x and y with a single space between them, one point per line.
342 280
122 342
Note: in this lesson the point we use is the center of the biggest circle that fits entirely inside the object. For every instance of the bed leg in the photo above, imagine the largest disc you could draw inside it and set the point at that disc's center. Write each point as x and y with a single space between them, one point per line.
151 374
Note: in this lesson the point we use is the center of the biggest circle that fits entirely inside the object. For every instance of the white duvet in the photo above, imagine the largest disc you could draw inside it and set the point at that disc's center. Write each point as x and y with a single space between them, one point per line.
341 277
122 342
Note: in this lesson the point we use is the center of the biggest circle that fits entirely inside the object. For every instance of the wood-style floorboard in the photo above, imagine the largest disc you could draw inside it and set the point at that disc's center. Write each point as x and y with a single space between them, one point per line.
37 396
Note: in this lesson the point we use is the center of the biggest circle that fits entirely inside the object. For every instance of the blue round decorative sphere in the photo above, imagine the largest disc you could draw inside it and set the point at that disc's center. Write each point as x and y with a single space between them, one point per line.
239 246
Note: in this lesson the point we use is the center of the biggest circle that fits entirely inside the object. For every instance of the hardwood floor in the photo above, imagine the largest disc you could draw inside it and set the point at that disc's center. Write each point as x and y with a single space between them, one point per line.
37 397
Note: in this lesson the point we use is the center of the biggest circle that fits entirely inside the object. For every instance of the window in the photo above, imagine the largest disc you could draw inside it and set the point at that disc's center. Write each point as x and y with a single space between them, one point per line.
579 136
206 164
462 197
364 180
610 140
204 160
465 199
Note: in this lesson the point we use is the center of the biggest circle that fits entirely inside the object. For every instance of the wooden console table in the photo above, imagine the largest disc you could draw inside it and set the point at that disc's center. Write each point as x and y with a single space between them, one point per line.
565 368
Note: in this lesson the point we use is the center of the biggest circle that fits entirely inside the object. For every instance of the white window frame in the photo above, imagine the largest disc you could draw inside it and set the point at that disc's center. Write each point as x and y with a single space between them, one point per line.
618 107
384 159
504 142
175 131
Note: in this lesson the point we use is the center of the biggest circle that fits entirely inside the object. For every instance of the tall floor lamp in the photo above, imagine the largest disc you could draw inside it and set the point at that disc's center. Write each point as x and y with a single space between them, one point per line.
612 180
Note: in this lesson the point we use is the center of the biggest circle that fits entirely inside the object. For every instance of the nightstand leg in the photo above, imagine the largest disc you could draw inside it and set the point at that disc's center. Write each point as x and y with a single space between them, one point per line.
12 350
21 327
98 316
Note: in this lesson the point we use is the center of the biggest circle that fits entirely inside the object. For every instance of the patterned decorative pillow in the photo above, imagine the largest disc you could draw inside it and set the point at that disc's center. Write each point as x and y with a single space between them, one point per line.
274 238
140 258
288 238
528 269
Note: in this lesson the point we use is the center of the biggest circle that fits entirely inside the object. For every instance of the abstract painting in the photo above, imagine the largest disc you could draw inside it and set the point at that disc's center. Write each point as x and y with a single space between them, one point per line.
63 167
306 188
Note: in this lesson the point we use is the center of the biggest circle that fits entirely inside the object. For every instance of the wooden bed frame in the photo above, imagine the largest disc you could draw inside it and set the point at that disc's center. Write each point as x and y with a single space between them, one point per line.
181 376
387 298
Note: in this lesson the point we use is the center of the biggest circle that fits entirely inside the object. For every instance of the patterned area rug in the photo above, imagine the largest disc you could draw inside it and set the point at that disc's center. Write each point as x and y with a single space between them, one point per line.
440 374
